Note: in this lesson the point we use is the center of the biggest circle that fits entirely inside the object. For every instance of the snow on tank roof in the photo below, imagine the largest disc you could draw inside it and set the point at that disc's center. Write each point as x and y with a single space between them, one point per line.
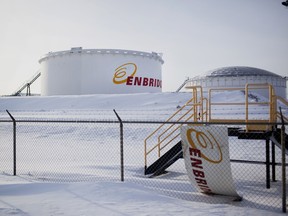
236 71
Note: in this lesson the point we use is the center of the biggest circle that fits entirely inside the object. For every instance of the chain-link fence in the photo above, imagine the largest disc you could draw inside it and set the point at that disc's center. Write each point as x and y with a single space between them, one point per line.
67 151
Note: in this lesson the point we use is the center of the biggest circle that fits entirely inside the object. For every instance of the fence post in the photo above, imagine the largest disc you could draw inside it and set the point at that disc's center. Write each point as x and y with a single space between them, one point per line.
283 163
14 142
121 146
267 163
273 163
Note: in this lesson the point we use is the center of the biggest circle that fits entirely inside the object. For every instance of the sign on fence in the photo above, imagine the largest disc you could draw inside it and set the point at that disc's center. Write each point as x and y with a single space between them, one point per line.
206 155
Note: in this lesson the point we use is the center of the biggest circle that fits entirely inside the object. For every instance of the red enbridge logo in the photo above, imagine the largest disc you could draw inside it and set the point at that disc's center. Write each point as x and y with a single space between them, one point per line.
125 74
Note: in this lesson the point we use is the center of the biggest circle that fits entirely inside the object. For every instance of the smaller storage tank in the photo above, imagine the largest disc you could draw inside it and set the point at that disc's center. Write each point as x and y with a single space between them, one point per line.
100 71
238 77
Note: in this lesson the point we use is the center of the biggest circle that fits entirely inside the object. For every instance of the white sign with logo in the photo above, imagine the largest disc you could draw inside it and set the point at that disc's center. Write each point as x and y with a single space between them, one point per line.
206 155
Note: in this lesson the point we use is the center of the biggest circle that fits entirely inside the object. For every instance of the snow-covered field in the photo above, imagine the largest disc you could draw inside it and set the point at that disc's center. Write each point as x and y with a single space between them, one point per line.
77 172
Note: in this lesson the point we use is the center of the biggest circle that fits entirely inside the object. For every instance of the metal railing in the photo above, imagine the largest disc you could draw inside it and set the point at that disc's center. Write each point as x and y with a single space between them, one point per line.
271 104
165 136
281 116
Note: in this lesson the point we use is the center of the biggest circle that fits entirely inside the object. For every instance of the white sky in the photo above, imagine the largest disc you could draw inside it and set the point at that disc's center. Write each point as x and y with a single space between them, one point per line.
194 35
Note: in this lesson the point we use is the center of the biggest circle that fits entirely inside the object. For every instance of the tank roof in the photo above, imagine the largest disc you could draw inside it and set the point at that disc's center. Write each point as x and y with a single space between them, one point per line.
236 71
79 50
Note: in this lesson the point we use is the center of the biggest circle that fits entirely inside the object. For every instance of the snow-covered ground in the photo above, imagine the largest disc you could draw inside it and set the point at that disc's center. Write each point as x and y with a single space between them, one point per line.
42 188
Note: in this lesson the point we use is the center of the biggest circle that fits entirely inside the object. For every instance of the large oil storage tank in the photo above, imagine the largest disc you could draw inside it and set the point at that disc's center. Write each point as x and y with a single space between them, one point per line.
238 77
100 71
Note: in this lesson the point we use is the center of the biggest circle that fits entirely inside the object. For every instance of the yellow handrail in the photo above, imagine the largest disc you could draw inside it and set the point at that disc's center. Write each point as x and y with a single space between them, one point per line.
168 119
146 152
169 135
194 110
282 100
272 105
186 113
204 111
210 101
285 102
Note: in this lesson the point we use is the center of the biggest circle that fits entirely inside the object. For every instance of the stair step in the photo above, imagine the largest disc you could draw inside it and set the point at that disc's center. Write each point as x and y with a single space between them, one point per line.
165 160
254 135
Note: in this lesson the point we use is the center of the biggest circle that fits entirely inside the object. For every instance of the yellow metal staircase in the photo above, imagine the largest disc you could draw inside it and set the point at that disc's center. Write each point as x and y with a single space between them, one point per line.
168 133
163 146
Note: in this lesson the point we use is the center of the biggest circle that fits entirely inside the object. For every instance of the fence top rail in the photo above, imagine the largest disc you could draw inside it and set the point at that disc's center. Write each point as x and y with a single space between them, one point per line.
4 120
144 122
61 121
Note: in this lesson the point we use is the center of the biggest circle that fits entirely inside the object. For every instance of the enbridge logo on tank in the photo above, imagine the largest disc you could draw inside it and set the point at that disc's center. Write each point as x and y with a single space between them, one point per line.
125 74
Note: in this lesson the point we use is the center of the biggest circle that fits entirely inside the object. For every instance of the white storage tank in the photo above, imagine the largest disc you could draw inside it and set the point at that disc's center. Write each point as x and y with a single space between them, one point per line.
100 71
239 76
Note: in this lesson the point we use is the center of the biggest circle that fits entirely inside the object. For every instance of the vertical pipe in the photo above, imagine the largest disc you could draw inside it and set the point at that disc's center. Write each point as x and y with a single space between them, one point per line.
283 163
121 146
209 106
283 169
273 163
267 164
201 117
246 106
121 152
14 147
194 102
270 104
14 142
